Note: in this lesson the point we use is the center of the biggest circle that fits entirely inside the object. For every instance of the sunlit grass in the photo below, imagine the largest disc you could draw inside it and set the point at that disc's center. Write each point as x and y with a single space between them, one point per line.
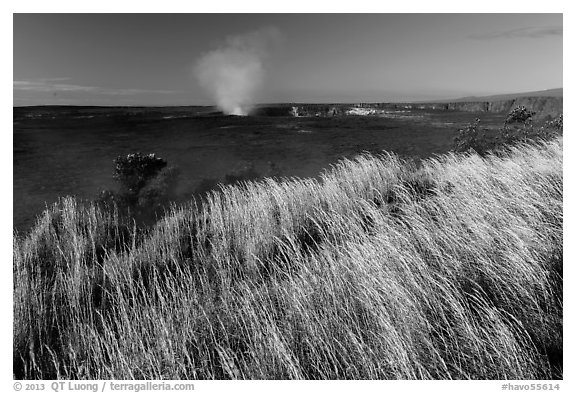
382 269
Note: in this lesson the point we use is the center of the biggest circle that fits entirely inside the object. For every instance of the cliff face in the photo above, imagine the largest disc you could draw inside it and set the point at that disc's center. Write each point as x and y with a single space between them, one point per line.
545 107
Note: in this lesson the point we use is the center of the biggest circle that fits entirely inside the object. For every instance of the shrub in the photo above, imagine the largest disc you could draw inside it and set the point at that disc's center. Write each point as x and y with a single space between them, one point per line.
556 124
520 114
528 132
470 138
482 141
135 170
147 184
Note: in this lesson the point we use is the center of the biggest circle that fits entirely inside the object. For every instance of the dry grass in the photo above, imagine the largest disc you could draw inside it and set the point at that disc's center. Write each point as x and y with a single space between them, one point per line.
381 270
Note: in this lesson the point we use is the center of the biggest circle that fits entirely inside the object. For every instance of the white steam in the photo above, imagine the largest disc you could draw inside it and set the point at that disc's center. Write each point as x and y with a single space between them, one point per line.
235 72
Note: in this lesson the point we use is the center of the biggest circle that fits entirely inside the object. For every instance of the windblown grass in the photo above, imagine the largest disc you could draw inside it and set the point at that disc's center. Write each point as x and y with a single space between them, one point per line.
380 270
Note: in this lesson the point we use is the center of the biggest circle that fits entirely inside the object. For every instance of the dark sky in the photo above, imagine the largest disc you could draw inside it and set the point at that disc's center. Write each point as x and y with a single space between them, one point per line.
147 59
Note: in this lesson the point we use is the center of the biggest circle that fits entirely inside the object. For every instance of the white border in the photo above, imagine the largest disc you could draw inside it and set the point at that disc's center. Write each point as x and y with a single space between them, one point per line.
296 6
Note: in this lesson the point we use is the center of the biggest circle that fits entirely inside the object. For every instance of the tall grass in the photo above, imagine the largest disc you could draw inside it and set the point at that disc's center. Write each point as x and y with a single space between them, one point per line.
380 270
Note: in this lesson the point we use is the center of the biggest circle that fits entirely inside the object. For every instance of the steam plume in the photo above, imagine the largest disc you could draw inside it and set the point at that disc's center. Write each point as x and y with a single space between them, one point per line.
234 73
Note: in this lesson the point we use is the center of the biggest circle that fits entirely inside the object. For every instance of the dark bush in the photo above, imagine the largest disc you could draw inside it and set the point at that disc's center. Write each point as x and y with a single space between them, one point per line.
147 185
520 114
482 141
556 124
135 170
471 137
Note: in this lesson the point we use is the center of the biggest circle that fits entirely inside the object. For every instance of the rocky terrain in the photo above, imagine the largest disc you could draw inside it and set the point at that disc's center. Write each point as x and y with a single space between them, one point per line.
545 107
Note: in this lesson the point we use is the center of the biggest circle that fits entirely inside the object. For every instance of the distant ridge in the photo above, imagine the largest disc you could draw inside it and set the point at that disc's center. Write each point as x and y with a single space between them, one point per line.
559 92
